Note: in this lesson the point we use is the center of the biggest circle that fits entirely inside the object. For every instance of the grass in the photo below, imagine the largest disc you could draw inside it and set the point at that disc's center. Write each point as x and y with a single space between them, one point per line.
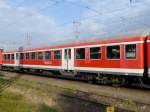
13 102
45 108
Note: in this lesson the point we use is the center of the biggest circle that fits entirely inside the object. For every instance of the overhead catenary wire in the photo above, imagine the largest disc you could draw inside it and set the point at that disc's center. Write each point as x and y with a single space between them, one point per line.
122 19
58 2
30 15
84 18
91 16
70 22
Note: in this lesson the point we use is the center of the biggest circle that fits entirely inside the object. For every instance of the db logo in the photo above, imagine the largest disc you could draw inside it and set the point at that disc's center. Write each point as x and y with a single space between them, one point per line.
47 62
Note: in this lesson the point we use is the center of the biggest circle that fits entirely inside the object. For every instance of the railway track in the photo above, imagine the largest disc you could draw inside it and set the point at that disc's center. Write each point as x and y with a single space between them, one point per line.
91 96
5 83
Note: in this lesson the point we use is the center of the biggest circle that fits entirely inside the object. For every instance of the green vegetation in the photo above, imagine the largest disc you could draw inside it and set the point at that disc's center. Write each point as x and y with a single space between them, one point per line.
45 108
13 102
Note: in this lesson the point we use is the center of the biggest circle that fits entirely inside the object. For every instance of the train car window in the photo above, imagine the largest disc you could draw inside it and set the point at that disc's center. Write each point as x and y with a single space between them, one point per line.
113 52
40 55
69 53
5 57
47 55
33 55
12 56
9 57
27 56
57 55
95 53
130 51
80 53
66 54
22 56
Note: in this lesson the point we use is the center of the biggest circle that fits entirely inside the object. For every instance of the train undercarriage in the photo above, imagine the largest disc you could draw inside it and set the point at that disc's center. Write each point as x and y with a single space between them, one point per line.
93 78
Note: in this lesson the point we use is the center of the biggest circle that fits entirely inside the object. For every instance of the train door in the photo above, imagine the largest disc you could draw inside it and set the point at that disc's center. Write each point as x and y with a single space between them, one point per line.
17 59
68 59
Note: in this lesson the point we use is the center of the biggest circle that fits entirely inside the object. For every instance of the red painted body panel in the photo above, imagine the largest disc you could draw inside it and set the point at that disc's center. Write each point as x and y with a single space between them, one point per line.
148 53
101 63
42 62
8 62
114 63
1 56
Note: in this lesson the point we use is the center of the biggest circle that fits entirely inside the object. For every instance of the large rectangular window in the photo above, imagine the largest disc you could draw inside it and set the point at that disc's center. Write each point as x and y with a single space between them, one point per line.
57 55
95 53
22 56
113 52
33 55
130 51
40 55
5 57
80 53
9 56
27 56
12 56
47 55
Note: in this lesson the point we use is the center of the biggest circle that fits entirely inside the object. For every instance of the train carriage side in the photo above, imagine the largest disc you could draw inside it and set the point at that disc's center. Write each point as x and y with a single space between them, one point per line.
120 57
148 56
1 57
45 59
8 59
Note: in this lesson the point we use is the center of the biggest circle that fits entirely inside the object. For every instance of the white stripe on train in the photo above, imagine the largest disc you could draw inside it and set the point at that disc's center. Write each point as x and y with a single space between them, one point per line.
126 71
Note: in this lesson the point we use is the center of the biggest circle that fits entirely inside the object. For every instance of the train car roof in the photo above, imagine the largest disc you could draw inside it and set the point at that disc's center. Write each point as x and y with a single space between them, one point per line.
77 44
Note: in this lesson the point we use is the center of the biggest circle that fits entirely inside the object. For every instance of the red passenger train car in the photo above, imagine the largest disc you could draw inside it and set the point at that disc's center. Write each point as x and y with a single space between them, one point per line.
107 61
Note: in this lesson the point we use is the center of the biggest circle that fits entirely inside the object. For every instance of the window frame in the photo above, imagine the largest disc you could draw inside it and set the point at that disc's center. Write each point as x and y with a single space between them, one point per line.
8 56
5 56
12 56
135 52
38 55
22 56
54 55
26 56
84 54
32 55
50 55
100 52
112 46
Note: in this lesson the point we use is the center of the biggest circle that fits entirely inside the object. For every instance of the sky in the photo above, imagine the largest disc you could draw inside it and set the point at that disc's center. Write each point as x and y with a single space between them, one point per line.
39 23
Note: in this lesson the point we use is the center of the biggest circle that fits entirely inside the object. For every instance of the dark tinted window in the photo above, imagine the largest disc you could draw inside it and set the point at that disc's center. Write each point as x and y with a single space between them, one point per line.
27 56
33 55
113 52
47 55
9 56
12 56
5 56
95 53
57 55
80 53
40 55
68 53
130 51
22 56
